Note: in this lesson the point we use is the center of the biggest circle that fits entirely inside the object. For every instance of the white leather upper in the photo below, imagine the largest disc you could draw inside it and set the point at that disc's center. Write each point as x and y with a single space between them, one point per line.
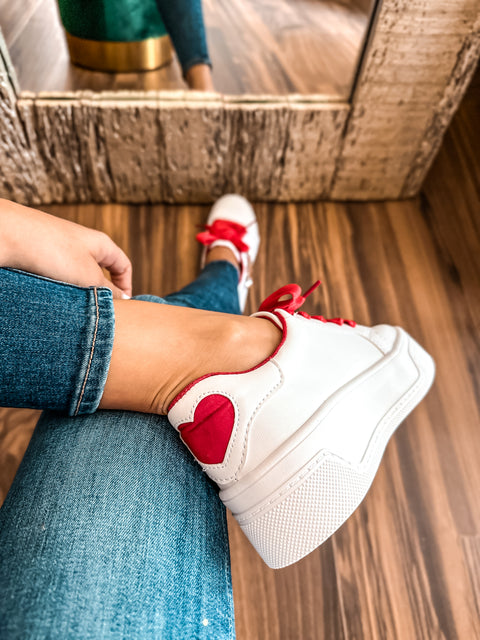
273 401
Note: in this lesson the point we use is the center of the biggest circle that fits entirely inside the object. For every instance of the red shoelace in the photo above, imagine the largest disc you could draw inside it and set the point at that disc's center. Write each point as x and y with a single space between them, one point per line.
224 230
290 298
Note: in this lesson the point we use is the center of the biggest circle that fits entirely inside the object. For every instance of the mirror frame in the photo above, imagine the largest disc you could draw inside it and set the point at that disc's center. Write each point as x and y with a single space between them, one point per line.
191 147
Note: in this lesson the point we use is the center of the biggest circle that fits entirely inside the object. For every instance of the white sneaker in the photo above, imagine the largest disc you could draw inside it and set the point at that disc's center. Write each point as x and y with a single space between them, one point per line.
294 444
232 223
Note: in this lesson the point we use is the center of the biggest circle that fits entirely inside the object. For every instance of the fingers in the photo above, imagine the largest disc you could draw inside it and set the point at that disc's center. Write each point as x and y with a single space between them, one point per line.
123 279
112 258
117 293
102 280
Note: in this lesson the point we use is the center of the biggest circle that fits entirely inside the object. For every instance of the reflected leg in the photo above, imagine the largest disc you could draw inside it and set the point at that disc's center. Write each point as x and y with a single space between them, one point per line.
186 27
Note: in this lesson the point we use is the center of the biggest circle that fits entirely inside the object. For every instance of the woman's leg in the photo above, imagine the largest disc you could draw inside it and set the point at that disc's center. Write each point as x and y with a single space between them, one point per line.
185 24
110 529
78 336
215 289
158 349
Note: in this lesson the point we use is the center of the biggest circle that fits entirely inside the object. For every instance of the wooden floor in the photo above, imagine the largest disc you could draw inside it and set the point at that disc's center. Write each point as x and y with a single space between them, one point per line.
257 46
407 565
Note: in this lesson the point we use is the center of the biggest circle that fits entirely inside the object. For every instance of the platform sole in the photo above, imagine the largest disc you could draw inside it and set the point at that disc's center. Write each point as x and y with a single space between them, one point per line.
307 506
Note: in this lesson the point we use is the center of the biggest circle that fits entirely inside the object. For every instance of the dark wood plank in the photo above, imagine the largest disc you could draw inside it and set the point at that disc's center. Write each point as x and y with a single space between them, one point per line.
16 428
471 549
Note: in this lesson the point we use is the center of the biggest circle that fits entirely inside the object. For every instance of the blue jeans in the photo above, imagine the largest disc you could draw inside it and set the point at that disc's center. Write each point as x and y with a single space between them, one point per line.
184 22
110 529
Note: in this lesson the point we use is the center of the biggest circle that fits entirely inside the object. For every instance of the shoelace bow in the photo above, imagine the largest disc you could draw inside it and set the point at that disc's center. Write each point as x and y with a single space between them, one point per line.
290 298
224 230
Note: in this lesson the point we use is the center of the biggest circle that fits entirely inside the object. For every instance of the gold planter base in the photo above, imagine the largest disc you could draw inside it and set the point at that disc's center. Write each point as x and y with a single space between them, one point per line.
120 57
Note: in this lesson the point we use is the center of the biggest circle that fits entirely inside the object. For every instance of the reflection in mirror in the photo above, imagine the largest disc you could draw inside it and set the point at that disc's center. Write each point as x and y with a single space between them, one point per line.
256 46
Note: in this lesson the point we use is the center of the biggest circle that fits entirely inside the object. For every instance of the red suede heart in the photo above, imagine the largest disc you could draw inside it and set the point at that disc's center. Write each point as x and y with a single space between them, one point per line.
208 435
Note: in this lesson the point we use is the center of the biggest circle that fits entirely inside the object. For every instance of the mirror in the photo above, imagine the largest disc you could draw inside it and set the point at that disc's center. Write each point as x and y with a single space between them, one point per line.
273 47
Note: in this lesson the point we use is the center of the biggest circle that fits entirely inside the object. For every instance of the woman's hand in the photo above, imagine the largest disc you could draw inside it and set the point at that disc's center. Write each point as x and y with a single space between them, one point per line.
48 246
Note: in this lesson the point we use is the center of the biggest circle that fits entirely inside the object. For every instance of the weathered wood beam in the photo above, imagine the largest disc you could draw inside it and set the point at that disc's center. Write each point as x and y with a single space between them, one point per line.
133 149
419 60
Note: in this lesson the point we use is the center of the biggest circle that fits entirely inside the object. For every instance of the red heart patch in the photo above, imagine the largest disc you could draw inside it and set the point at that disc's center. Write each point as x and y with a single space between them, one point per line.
208 435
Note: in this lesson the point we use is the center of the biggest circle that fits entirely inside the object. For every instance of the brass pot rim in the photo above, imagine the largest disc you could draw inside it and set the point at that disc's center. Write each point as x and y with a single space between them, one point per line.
120 57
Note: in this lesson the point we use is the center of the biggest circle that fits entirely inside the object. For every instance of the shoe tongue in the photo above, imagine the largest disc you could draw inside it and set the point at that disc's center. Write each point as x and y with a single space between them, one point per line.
269 316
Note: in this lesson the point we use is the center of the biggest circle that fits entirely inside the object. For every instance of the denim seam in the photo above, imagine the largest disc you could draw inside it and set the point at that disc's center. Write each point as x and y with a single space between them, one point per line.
92 349
36 276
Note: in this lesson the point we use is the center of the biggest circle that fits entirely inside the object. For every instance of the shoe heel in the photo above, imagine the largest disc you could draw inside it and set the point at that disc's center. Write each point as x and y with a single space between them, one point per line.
309 509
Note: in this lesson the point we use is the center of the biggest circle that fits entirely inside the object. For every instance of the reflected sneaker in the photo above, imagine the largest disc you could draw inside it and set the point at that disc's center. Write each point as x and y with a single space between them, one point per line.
294 443
232 223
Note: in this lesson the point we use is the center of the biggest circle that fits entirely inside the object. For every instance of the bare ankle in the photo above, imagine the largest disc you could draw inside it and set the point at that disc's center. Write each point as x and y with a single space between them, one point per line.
221 253
199 78
253 342
235 345
160 349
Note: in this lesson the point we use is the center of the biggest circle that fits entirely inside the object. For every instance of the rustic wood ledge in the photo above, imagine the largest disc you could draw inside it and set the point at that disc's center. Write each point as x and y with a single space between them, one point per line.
187 147
177 151
184 97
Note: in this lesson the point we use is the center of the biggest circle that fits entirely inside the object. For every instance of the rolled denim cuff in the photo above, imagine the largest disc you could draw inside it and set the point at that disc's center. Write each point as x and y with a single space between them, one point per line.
56 342
97 338
193 61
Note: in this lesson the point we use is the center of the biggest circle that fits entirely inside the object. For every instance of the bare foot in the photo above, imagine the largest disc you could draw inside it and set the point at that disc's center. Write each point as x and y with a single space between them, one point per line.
199 78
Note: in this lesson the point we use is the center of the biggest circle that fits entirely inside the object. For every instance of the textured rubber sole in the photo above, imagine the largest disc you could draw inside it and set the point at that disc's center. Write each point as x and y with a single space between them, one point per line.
312 504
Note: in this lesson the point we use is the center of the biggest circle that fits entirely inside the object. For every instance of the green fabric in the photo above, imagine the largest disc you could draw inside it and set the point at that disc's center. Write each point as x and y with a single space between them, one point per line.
112 20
